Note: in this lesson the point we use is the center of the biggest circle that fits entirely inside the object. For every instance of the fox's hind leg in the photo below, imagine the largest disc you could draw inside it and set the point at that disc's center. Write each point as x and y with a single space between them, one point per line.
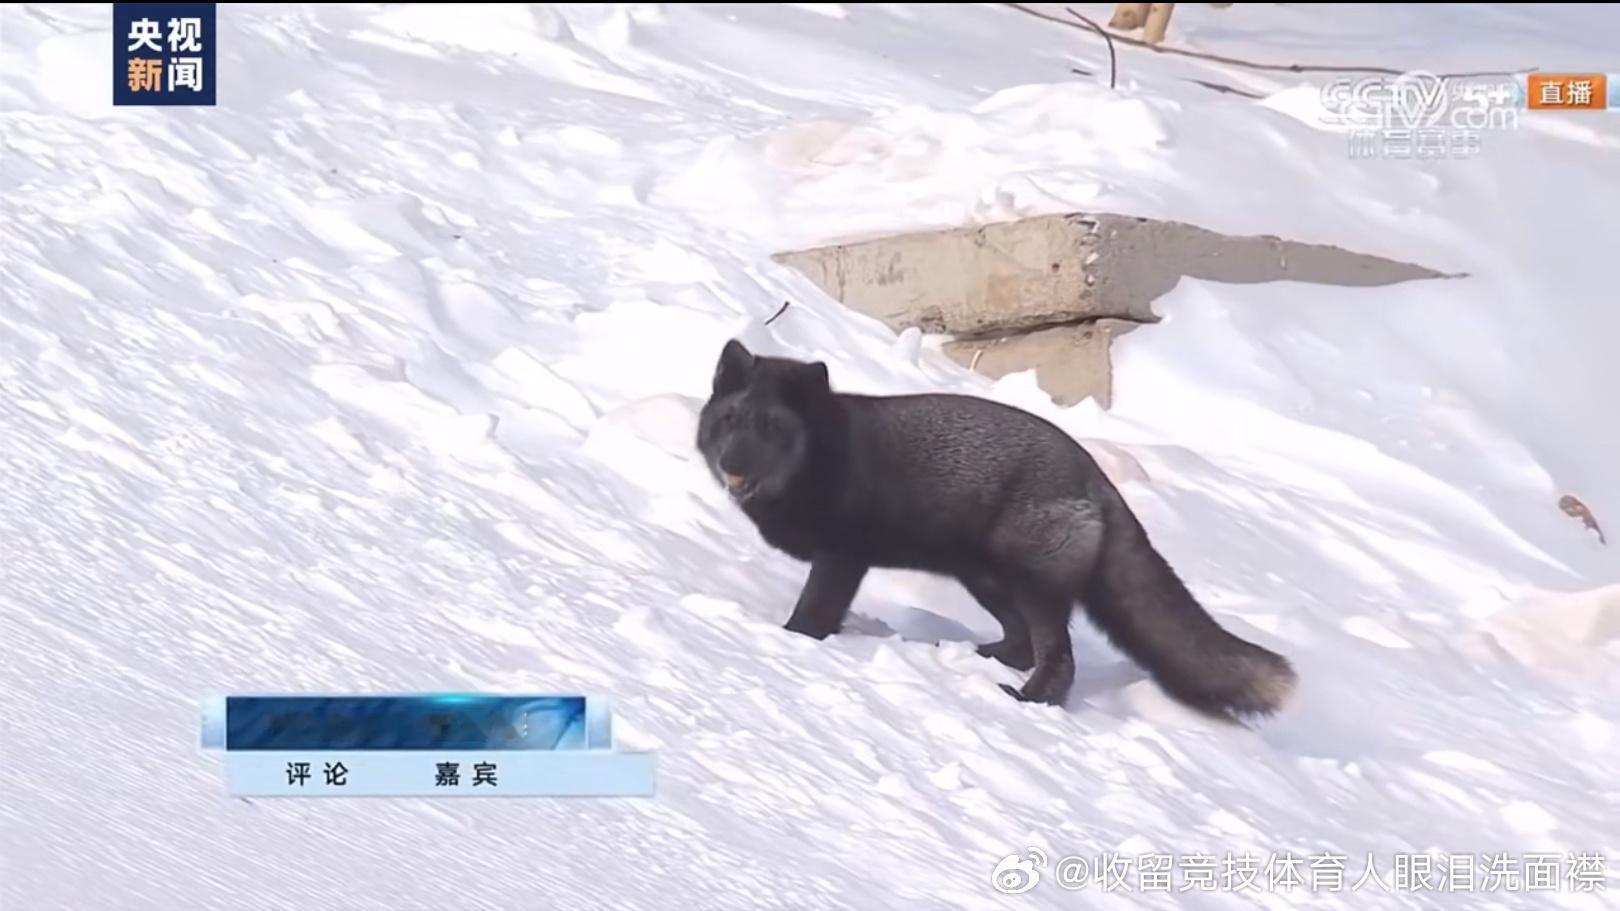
1047 614
1047 553
1013 649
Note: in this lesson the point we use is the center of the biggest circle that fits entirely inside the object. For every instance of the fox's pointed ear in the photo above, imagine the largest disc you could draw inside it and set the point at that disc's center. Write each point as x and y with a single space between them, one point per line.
812 378
731 373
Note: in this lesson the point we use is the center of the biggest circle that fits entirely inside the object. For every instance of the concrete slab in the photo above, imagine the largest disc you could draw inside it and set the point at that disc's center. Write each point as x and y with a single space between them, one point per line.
1071 362
1003 290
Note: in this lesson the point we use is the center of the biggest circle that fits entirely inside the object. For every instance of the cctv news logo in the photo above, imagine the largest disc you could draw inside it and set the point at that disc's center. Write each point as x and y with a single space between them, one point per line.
163 54
1420 100
1420 115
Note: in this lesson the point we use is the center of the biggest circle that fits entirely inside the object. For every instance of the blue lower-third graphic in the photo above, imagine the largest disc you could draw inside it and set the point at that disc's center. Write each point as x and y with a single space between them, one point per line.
422 745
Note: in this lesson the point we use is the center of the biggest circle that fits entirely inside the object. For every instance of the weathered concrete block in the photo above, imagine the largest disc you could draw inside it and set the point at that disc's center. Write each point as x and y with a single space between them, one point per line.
1071 363
1046 292
984 281
998 279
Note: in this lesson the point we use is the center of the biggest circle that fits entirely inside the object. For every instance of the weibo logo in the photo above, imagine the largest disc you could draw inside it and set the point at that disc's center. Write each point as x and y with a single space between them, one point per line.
1015 874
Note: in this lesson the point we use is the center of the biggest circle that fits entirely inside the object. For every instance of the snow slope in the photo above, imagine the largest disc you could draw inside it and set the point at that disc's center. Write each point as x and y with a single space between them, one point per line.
380 376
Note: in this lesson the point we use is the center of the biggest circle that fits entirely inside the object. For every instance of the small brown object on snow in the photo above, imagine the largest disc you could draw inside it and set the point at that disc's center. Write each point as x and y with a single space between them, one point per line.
1152 18
1129 16
1158 22
1572 506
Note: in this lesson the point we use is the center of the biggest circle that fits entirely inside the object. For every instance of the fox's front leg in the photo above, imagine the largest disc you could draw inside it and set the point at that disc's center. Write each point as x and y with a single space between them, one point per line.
827 595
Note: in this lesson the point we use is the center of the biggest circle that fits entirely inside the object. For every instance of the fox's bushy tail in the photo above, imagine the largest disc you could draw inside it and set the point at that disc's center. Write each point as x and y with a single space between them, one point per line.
1146 611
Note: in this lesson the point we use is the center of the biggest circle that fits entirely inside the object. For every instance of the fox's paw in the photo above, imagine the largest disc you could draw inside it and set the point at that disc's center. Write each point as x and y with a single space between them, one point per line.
811 628
1032 698
1017 657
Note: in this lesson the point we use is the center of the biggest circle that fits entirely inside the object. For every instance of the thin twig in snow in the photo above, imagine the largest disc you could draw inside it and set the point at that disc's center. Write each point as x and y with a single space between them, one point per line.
1113 65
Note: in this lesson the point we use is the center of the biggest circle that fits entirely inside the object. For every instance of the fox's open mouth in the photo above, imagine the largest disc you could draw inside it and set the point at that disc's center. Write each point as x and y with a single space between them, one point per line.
740 487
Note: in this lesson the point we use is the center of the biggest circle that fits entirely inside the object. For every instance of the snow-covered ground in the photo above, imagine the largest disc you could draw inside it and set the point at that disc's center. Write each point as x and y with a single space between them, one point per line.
381 376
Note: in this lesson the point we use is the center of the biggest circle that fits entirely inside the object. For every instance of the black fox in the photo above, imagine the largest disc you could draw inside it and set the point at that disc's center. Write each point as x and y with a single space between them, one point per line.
996 497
